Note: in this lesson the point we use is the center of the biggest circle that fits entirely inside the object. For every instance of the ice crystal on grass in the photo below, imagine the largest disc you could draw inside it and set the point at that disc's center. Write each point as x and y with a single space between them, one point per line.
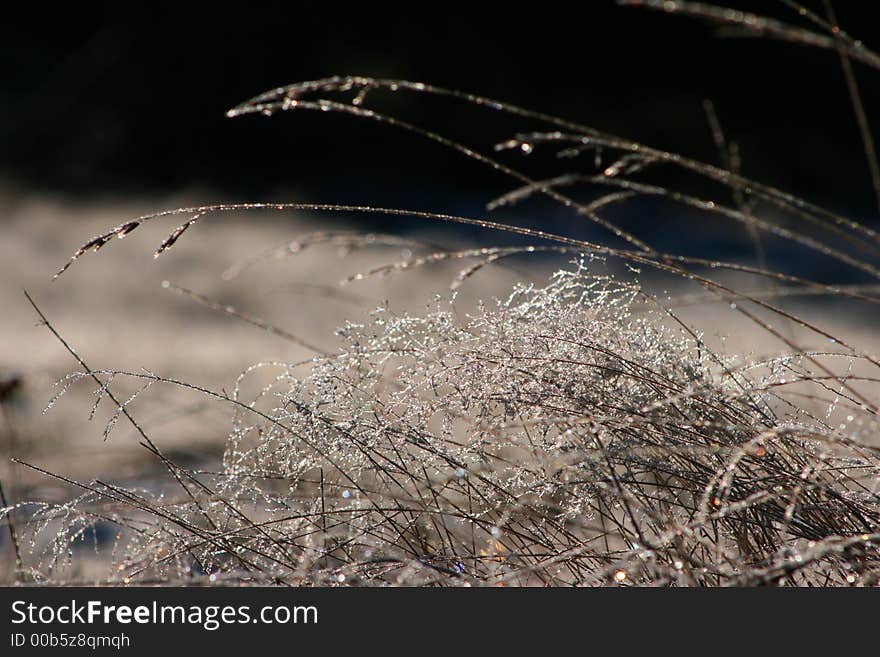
556 436
576 431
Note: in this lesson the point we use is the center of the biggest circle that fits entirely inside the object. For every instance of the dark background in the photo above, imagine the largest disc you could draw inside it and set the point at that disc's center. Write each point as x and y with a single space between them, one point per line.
118 99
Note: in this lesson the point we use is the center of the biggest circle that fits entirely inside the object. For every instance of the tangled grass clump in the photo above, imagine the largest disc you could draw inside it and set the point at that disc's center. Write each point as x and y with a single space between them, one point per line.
555 437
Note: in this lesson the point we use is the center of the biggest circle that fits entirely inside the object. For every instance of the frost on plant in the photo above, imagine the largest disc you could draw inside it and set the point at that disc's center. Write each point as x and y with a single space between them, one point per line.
578 432
556 436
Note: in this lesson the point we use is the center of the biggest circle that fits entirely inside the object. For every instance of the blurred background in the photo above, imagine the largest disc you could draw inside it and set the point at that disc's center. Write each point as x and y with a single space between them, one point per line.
98 100
110 111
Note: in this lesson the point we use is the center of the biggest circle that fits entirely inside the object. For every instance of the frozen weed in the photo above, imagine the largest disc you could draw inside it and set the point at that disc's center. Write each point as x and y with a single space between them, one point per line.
576 432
